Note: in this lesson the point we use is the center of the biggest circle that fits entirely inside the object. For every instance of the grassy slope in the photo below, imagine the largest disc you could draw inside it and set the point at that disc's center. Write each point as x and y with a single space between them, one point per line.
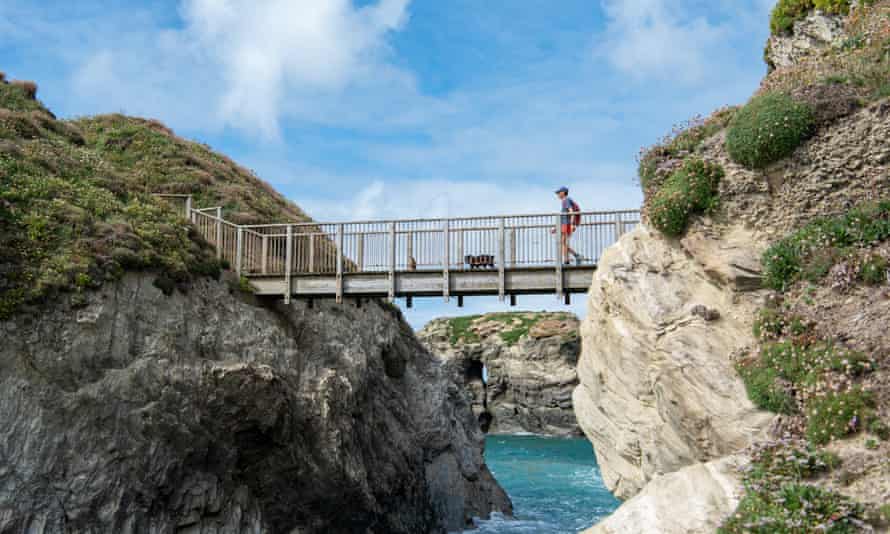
516 325
76 207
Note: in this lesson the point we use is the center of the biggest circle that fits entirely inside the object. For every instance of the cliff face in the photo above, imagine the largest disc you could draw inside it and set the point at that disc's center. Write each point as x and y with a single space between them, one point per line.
529 361
658 390
202 412
670 319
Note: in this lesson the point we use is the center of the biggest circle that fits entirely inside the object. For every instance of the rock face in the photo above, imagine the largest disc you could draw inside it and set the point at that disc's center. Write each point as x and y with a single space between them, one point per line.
204 413
691 500
529 360
658 389
809 35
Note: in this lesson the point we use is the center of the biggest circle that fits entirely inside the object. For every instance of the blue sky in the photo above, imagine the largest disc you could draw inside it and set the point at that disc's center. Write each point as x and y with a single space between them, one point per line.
403 108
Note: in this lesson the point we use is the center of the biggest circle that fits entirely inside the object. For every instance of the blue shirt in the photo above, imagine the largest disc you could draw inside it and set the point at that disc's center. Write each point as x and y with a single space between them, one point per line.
567 203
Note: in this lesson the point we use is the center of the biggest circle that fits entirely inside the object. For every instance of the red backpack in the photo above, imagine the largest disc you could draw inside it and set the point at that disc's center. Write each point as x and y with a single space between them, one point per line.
576 218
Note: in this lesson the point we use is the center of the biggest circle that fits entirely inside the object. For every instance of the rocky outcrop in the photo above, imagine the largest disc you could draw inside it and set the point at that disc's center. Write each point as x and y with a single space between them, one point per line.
691 500
203 413
529 364
808 37
658 388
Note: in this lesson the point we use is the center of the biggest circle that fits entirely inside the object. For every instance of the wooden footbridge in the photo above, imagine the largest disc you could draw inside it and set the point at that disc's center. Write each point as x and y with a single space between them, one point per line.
505 255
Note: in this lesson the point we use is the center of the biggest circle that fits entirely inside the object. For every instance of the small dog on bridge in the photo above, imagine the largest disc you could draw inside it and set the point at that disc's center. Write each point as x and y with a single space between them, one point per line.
480 261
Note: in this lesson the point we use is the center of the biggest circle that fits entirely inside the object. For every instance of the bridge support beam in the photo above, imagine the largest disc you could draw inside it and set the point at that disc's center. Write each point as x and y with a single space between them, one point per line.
512 299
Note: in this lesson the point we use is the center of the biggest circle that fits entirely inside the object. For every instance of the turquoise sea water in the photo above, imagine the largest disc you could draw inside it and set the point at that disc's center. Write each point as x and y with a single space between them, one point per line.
554 483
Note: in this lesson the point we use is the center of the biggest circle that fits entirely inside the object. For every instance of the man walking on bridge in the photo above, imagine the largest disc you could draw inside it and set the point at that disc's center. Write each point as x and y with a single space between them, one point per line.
571 217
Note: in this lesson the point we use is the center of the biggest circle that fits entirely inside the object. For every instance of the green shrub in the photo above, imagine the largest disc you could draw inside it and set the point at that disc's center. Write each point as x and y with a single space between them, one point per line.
689 190
777 499
684 139
871 444
802 365
836 415
765 391
878 428
771 324
874 270
812 250
837 7
795 508
787 12
769 128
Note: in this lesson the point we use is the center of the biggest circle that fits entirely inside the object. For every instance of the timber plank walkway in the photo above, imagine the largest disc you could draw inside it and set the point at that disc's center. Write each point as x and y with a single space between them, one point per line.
504 255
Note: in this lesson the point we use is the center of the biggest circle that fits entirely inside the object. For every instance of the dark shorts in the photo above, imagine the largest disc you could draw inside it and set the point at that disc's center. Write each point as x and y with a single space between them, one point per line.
567 229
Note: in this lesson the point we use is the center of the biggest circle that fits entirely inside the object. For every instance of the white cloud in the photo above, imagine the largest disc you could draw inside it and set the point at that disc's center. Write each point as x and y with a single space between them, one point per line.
269 50
240 63
648 39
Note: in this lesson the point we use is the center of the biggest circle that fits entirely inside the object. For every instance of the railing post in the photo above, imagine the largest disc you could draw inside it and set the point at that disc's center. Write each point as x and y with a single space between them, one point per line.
409 249
288 262
392 261
339 263
311 253
239 243
619 227
446 262
188 208
460 246
501 257
513 247
559 259
360 260
264 261
219 243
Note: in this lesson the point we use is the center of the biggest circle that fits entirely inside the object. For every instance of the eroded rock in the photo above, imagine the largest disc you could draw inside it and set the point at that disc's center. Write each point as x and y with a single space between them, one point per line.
199 412
529 379
658 390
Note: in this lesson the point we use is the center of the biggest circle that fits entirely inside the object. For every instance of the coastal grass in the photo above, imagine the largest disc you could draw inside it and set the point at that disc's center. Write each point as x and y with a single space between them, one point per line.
516 325
787 12
690 190
778 497
873 270
791 372
77 207
837 414
809 253
683 140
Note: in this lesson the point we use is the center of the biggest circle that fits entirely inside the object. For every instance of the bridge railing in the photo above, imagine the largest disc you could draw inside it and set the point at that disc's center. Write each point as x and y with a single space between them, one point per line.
512 241
493 242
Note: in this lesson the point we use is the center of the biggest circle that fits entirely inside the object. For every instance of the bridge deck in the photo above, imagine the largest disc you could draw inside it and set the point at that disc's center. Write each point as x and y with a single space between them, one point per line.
498 255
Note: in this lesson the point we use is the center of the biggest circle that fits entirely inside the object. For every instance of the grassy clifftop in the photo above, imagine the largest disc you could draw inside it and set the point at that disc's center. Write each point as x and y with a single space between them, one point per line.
76 204
509 326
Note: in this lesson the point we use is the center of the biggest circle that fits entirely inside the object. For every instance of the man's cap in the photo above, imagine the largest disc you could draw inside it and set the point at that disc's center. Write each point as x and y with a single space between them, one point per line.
563 189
